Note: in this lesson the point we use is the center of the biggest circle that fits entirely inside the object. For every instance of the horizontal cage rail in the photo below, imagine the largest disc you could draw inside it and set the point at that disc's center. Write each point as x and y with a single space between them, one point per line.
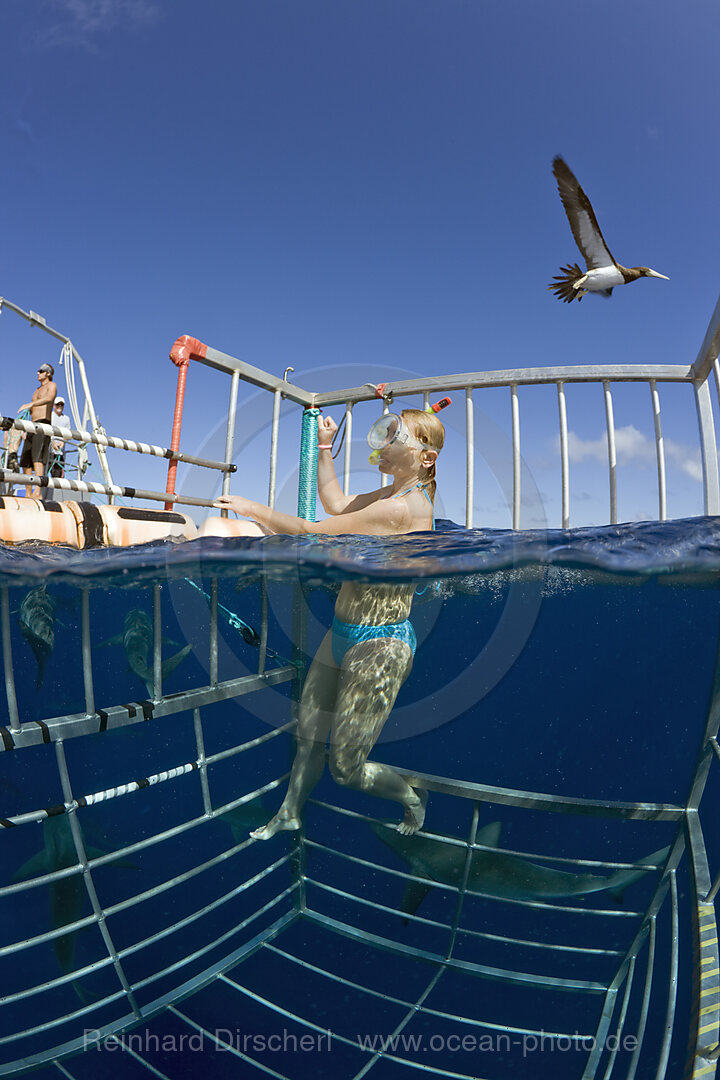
32 733
61 483
7 422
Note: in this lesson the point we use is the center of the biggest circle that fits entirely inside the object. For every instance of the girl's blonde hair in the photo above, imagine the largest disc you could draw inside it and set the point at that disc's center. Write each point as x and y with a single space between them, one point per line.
428 430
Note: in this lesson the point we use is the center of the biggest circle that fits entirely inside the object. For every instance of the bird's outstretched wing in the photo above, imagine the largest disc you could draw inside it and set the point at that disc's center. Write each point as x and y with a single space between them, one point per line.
581 216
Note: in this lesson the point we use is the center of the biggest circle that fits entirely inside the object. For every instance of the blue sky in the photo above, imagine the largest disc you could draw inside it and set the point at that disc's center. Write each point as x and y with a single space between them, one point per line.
362 188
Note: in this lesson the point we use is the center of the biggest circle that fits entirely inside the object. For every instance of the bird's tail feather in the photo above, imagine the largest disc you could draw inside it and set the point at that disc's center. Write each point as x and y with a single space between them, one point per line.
562 285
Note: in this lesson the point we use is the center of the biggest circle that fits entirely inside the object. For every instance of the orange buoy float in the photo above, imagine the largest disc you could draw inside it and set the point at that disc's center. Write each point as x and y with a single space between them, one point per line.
85 525
128 525
30 519
218 526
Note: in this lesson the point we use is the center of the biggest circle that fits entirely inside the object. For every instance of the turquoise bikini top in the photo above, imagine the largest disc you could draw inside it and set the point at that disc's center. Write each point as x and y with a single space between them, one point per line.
424 491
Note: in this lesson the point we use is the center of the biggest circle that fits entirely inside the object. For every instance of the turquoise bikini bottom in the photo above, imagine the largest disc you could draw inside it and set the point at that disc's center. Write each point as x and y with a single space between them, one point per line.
345 635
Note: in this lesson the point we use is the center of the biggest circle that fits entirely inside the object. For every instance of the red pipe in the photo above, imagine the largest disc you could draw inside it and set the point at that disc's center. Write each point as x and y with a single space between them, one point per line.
184 350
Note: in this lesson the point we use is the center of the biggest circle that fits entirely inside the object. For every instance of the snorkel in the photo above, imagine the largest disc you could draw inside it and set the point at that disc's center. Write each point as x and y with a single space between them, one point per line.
392 428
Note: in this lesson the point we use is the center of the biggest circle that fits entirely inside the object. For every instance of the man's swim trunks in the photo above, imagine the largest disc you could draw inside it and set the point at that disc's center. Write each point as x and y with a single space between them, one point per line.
37 448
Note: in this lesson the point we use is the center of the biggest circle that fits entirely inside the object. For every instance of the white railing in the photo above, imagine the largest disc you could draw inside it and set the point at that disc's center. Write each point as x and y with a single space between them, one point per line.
471 383
608 377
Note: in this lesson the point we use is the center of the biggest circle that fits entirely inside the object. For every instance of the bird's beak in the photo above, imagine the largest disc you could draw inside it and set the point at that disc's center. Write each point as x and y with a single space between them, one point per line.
654 273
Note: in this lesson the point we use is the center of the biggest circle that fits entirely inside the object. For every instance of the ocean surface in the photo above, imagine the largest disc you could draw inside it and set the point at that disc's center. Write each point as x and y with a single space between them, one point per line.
577 664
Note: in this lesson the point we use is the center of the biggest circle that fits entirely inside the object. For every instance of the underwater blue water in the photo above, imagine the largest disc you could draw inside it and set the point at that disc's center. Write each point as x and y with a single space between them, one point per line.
571 663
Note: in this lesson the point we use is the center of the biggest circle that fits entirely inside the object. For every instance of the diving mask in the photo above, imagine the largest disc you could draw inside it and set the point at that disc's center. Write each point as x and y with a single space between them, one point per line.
392 428
388 429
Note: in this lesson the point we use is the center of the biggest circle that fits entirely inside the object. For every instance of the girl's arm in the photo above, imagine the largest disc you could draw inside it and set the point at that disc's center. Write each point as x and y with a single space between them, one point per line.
382 517
333 500
328 487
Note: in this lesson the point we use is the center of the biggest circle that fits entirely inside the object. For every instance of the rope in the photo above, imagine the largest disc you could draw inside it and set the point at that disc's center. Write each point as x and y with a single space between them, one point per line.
307 480
56 459
66 361
249 633
341 432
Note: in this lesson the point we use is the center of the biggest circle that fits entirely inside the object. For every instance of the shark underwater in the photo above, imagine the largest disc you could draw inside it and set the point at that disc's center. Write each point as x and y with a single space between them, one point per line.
68 896
137 640
36 617
243 819
508 877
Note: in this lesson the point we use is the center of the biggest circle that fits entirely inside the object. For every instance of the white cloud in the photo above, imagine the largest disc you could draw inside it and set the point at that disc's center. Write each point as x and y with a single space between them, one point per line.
632 446
80 22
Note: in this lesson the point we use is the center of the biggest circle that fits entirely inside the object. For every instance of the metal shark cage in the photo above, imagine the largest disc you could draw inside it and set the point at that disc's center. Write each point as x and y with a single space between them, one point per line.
191 953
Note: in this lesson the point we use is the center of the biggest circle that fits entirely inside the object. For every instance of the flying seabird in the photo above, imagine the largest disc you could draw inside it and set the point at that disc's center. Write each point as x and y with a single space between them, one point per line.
603 272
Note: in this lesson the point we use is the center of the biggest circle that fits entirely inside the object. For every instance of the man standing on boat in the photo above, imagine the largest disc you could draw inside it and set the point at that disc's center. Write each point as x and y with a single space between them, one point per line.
59 419
37 447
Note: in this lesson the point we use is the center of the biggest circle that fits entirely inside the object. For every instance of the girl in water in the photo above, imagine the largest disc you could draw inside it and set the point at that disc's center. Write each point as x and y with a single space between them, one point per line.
367 654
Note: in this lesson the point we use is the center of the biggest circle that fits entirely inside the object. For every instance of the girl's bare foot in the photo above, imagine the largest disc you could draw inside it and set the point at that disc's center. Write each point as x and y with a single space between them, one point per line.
414 813
280 822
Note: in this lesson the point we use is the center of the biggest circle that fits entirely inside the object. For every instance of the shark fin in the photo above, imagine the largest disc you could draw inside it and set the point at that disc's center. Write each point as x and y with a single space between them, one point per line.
94 852
116 640
169 665
87 997
656 859
489 836
34 867
618 882
123 864
415 893
251 815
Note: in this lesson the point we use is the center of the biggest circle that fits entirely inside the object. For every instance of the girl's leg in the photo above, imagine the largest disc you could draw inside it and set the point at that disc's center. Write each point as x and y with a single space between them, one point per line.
314 723
371 675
